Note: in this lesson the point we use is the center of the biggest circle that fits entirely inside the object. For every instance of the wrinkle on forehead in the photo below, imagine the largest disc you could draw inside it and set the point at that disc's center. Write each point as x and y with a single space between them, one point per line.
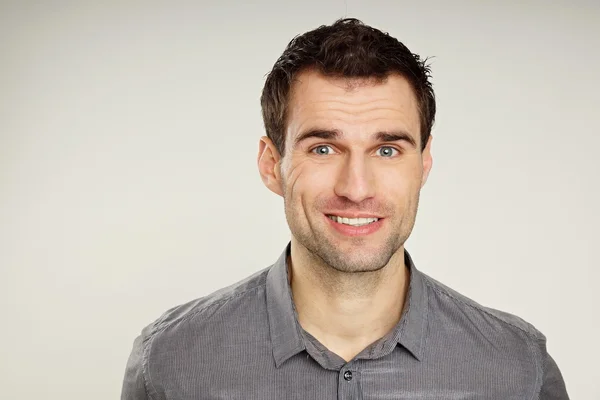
383 104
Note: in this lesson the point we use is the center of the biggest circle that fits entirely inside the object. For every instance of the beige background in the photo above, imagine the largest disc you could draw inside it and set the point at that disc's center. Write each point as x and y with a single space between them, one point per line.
128 184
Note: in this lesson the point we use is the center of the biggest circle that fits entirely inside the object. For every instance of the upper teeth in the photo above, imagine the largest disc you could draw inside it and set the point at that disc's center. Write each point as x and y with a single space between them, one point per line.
353 221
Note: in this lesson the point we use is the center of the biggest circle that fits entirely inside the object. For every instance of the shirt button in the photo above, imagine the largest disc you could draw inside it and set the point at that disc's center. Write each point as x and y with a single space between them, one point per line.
348 375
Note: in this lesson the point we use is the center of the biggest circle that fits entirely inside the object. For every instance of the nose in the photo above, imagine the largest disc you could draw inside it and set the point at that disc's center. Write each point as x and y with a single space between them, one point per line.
355 180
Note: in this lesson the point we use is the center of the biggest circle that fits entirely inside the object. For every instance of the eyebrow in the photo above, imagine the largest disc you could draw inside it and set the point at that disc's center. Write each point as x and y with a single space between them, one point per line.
383 136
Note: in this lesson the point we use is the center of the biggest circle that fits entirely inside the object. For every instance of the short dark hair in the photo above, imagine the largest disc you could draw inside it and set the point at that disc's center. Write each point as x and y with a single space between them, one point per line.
347 48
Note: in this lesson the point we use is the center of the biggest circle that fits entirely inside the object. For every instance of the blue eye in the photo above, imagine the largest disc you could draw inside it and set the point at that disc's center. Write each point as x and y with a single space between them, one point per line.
387 151
322 150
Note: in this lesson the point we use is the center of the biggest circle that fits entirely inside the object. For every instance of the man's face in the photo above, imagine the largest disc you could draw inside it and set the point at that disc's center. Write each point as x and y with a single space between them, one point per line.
353 169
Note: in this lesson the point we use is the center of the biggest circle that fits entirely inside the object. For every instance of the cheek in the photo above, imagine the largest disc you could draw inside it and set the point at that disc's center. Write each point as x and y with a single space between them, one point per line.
399 185
307 182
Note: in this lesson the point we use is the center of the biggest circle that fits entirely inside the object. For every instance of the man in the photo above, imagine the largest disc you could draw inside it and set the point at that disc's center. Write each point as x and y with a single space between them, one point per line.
343 313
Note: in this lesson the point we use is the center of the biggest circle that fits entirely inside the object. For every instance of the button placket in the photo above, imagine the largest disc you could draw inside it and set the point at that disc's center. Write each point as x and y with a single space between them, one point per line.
348 385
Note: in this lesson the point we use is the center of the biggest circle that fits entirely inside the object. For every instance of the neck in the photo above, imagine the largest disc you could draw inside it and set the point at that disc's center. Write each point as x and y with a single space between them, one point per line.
347 311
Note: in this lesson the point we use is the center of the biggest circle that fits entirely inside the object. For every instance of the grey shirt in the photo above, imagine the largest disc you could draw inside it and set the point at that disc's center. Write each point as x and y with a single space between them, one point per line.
245 342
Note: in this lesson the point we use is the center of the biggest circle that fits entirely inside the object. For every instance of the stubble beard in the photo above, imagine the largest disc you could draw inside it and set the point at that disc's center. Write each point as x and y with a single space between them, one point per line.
349 259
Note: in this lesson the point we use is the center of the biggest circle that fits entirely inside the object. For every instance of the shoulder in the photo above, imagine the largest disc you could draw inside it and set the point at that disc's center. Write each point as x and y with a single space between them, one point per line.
495 341
477 312
196 330
215 306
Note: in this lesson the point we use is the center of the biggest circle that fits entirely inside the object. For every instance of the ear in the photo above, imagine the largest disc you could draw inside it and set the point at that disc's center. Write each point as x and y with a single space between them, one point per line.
269 166
427 161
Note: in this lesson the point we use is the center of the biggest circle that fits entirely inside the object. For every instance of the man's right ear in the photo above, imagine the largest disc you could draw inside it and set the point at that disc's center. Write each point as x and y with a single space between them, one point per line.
268 165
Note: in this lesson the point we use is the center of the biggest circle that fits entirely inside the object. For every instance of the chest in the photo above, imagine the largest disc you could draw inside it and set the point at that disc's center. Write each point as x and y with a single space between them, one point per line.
395 377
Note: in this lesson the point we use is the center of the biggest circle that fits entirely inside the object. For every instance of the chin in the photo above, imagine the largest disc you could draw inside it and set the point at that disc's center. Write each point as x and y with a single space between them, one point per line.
358 261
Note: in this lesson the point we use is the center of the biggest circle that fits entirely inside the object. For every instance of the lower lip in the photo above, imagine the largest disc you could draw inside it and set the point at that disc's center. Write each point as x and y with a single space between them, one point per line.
350 230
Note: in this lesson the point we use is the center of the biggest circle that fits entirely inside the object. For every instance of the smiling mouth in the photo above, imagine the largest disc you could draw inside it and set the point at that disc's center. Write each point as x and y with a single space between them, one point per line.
353 221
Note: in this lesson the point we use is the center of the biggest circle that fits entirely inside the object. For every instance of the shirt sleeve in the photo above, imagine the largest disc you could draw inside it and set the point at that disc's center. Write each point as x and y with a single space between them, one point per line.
134 387
553 384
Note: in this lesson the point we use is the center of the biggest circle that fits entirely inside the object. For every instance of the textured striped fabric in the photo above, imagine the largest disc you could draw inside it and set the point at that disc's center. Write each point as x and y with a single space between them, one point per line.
244 342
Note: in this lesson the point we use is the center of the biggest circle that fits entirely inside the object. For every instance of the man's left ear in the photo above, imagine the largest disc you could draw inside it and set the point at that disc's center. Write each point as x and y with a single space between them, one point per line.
427 161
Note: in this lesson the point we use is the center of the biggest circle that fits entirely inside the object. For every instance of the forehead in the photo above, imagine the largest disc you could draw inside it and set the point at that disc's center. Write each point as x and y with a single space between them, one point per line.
355 106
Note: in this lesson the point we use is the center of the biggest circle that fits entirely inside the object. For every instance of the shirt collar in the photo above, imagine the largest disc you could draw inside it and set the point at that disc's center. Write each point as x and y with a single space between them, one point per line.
286 332
286 335
410 331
